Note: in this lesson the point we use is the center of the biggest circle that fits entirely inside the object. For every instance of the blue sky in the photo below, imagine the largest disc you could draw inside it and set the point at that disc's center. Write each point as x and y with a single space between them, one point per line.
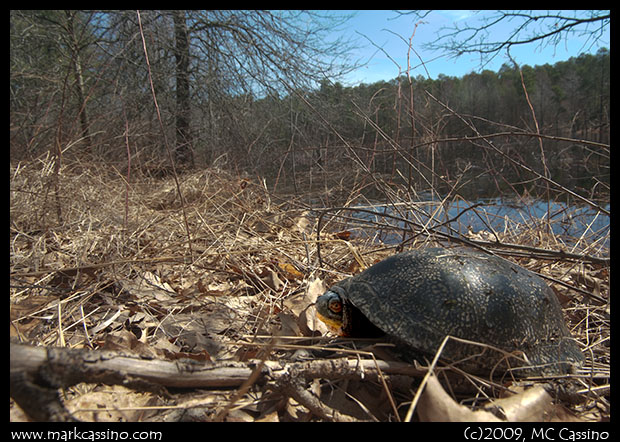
375 24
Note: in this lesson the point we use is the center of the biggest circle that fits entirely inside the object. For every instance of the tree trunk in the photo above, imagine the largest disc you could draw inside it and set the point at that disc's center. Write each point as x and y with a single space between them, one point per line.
79 78
183 151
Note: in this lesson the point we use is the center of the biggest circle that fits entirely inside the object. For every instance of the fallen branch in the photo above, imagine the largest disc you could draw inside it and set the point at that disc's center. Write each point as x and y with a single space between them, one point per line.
37 373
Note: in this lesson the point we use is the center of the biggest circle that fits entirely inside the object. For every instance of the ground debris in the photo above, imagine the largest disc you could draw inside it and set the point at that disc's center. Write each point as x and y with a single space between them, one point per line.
106 266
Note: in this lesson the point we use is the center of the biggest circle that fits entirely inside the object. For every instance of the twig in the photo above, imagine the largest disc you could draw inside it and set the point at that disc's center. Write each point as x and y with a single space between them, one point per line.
540 143
163 133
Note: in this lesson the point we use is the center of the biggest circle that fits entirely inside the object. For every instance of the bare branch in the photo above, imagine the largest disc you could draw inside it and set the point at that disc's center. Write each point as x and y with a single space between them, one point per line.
527 27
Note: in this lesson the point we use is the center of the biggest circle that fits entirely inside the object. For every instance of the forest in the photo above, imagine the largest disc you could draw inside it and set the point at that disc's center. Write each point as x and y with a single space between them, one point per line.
570 100
189 189
79 80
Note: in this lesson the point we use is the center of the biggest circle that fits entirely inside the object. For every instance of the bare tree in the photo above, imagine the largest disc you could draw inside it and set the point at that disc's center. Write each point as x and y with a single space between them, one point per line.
224 58
209 68
48 48
183 150
76 61
525 27
262 49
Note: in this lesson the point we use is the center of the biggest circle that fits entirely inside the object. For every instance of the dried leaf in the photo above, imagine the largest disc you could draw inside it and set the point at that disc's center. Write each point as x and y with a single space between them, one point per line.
201 356
271 278
316 288
436 405
110 404
148 286
124 340
302 224
532 405
345 235
290 272
302 305
289 325
297 303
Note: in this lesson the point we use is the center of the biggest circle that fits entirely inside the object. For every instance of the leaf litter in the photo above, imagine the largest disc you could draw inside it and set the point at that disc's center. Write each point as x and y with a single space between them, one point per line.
107 265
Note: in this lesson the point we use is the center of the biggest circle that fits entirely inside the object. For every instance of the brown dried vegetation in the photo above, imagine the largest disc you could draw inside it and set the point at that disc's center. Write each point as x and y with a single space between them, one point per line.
100 263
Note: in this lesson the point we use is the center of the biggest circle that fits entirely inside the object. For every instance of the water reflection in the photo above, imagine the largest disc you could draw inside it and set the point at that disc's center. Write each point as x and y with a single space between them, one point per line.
569 223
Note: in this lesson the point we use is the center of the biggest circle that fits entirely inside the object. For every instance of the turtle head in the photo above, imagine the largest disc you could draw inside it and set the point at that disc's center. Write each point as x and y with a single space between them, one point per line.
330 310
335 309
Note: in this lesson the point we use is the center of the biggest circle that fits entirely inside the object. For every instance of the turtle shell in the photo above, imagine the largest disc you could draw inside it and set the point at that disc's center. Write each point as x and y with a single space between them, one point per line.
419 297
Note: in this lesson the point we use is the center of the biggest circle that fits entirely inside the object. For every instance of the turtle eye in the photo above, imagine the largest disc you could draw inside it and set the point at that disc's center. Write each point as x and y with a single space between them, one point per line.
335 305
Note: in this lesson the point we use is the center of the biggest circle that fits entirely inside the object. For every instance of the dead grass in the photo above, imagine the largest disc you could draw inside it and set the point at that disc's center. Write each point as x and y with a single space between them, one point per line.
100 263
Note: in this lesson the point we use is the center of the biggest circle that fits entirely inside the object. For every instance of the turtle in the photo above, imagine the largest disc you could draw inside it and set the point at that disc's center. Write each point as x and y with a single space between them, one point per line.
417 298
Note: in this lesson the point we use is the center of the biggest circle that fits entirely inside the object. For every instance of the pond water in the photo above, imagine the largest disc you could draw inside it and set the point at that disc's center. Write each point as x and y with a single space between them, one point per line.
570 223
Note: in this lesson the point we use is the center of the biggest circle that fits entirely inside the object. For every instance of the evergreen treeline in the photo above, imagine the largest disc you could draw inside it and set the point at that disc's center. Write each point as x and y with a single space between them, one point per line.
570 100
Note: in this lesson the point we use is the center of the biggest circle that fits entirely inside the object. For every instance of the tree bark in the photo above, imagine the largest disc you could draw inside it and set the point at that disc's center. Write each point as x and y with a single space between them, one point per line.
79 78
36 374
183 151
